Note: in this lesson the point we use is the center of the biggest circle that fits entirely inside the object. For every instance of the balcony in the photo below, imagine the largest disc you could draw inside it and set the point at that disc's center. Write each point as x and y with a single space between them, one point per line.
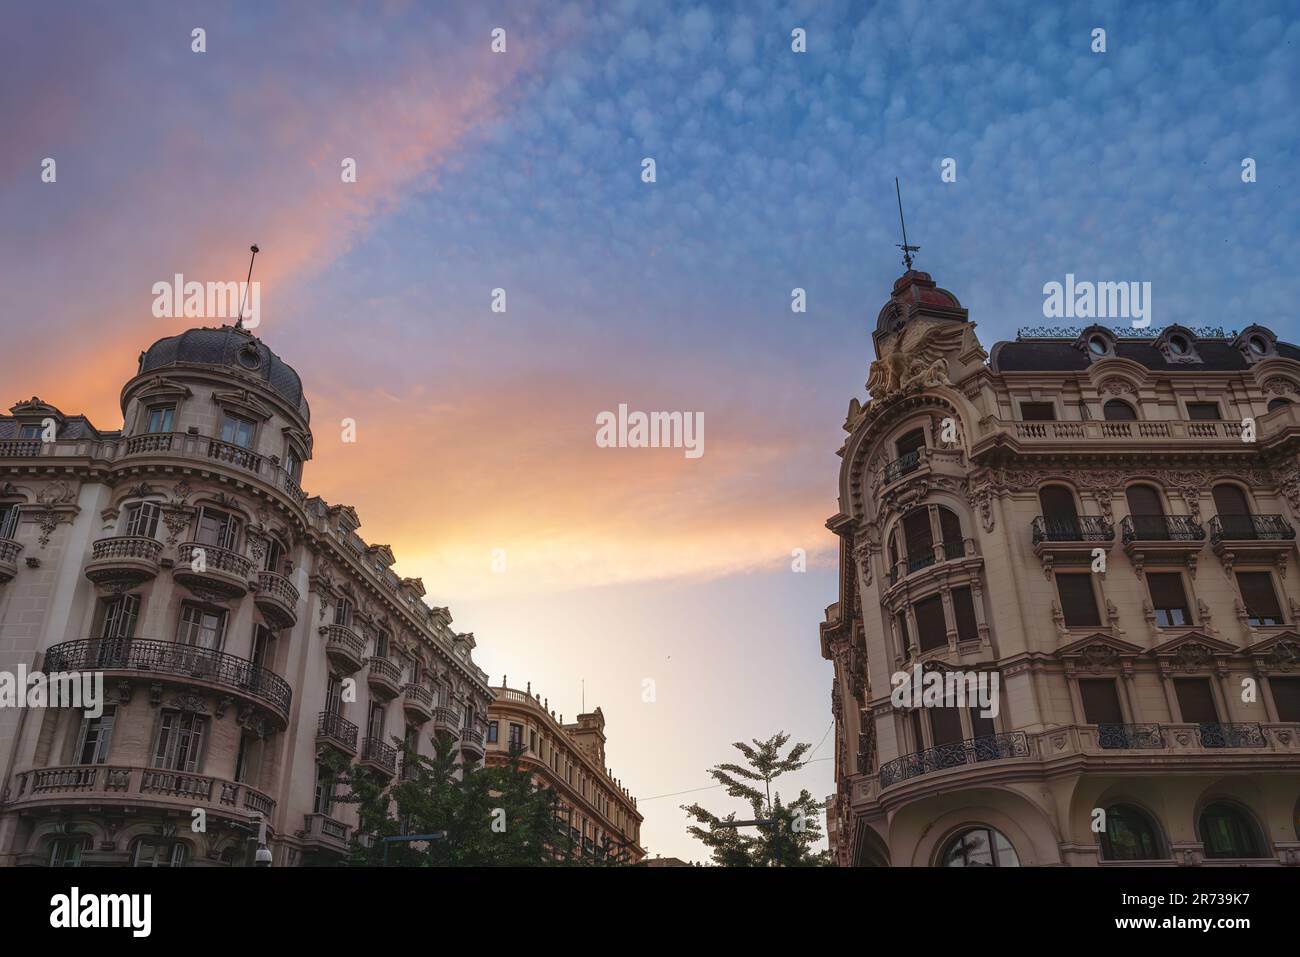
134 788
21 448
123 560
446 721
175 663
1128 737
384 677
903 465
991 747
1100 435
345 649
1231 736
1266 538
9 550
417 702
1161 538
930 555
323 832
471 742
335 731
379 757
208 568
1071 538
277 599
235 455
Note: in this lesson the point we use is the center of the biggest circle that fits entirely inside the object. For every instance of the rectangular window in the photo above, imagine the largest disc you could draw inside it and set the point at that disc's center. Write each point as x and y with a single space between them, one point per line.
274 556
324 799
493 731
30 432
381 643
160 418
95 737
263 645
903 638
980 726
375 727
343 612
201 627
9 520
142 520
293 465
1168 599
1286 696
963 610
120 616
516 739
216 528
1196 700
1257 592
180 741
532 741
1037 412
241 757
153 852
1203 411
931 629
66 851
1100 701
945 725
1078 603
237 431
334 695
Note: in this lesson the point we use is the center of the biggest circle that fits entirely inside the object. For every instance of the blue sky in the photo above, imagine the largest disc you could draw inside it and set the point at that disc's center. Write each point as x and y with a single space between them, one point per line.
522 171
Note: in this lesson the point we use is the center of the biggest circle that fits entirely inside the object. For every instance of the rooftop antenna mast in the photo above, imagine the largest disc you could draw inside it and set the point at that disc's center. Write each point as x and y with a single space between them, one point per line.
239 322
907 250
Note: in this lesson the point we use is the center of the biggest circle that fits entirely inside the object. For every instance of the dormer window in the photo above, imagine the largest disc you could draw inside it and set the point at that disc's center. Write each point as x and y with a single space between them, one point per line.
1178 345
1096 342
1256 344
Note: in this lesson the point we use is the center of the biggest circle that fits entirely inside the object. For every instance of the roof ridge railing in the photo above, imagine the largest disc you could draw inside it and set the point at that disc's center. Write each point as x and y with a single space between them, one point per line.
1119 332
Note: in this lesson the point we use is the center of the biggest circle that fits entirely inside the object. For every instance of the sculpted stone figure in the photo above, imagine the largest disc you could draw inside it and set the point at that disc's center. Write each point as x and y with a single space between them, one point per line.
918 357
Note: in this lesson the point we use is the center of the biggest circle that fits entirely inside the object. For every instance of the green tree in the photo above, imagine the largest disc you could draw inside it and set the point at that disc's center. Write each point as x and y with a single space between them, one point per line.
793 829
490 816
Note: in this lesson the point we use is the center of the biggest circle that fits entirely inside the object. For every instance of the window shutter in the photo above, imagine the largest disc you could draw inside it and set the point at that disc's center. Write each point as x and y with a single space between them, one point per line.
1286 695
931 629
1100 701
1167 590
1077 600
1257 592
963 610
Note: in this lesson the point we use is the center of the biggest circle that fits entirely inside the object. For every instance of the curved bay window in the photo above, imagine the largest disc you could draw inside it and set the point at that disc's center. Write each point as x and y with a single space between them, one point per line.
921 527
1228 831
979 847
1130 835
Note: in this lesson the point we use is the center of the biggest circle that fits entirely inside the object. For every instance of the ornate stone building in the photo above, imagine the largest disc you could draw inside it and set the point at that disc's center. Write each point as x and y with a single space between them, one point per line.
1105 520
598 812
243 627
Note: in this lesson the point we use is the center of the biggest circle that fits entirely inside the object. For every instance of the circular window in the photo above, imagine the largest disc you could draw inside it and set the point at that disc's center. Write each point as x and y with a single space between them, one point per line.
249 357
979 847
1178 345
1098 345
1257 345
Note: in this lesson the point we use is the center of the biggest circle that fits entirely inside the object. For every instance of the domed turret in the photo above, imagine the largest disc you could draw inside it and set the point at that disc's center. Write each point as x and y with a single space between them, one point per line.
229 347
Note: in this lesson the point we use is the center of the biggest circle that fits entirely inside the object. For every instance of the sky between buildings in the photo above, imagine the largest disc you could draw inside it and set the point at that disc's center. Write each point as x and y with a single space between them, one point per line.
522 171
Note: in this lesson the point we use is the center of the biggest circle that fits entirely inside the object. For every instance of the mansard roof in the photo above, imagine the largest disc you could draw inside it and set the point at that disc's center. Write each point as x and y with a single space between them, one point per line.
1057 350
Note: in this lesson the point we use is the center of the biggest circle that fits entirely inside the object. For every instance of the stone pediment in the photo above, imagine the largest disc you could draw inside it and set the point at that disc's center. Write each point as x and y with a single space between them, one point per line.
1098 646
1281 651
1192 650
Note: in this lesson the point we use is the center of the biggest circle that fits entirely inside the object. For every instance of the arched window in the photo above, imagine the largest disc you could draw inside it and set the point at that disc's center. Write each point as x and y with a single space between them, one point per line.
1060 517
1130 835
1146 512
1275 404
1233 512
1117 410
159 852
950 528
67 851
979 847
1229 832
918 538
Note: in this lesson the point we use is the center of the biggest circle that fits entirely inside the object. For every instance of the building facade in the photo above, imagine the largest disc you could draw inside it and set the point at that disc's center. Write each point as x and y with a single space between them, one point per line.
569 759
1103 520
243 628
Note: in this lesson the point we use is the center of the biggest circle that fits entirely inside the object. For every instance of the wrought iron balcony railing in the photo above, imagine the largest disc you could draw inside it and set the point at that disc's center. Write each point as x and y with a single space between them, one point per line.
375 751
901 466
1238 528
1124 737
1222 735
1161 528
1079 528
171 658
337 728
954 754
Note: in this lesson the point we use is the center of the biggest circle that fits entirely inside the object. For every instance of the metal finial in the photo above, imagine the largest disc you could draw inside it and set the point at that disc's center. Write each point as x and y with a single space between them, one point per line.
239 321
907 250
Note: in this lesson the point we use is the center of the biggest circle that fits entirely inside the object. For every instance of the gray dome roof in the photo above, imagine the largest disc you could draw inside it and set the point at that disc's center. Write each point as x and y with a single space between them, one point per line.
229 347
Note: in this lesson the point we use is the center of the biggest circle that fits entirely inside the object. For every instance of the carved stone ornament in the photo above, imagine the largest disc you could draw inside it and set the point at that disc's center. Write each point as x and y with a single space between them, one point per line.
1191 656
57 492
1116 386
188 701
1098 657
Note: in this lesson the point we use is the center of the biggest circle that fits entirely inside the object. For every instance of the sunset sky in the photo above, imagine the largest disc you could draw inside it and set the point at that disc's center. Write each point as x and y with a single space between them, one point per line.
522 171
